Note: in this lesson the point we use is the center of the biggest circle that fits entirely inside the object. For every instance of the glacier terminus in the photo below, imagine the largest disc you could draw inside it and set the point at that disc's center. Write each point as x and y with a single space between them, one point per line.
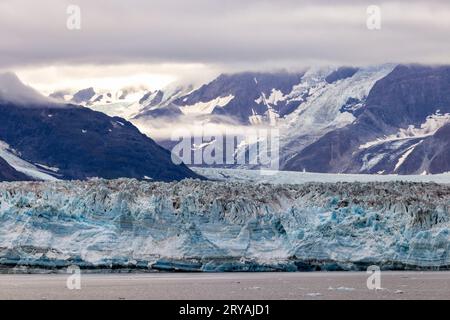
215 226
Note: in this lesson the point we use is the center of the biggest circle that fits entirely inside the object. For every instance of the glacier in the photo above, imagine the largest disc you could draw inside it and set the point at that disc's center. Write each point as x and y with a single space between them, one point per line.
215 226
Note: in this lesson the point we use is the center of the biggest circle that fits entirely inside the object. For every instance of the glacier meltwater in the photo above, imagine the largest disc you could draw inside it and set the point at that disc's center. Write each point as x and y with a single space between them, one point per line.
217 226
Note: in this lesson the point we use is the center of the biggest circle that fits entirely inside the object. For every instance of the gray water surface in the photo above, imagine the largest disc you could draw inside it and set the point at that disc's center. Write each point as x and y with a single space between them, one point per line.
311 286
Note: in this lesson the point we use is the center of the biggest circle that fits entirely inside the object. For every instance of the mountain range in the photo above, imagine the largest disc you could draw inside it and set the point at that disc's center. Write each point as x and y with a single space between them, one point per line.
386 119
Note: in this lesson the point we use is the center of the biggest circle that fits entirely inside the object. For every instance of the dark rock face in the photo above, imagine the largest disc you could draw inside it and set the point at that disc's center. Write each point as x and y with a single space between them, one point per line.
328 154
409 94
155 101
405 97
440 142
8 173
432 155
352 106
83 143
340 74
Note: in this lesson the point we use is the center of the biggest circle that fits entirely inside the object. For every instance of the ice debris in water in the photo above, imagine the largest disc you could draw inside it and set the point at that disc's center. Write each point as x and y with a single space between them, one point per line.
224 226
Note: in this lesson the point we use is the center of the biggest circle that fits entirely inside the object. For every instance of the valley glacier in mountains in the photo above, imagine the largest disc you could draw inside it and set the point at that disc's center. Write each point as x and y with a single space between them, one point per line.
215 226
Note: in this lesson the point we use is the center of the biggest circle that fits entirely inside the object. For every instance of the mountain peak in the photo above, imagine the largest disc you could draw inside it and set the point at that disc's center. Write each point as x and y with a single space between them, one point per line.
83 95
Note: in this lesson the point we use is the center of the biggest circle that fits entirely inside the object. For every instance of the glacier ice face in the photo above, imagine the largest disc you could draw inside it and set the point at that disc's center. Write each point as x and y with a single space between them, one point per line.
224 226
295 177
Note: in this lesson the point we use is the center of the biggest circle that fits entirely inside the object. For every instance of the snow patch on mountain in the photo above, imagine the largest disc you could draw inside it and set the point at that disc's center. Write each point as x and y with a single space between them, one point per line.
32 171
405 156
206 107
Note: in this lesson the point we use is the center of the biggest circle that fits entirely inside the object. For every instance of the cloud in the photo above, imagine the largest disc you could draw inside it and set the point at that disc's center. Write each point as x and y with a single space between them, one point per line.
13 90
51 78
169 129
228 34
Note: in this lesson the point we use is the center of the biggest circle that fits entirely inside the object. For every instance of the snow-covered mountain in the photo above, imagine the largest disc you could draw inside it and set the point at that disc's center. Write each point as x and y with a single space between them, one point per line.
128 103
121 103
41 139
96 97
247 98
375 119
224 226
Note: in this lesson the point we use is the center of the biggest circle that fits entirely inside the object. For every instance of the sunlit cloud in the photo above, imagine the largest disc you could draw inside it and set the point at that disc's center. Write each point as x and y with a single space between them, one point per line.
48 79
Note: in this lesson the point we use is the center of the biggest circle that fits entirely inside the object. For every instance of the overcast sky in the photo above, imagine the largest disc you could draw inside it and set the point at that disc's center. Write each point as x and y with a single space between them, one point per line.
159 41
